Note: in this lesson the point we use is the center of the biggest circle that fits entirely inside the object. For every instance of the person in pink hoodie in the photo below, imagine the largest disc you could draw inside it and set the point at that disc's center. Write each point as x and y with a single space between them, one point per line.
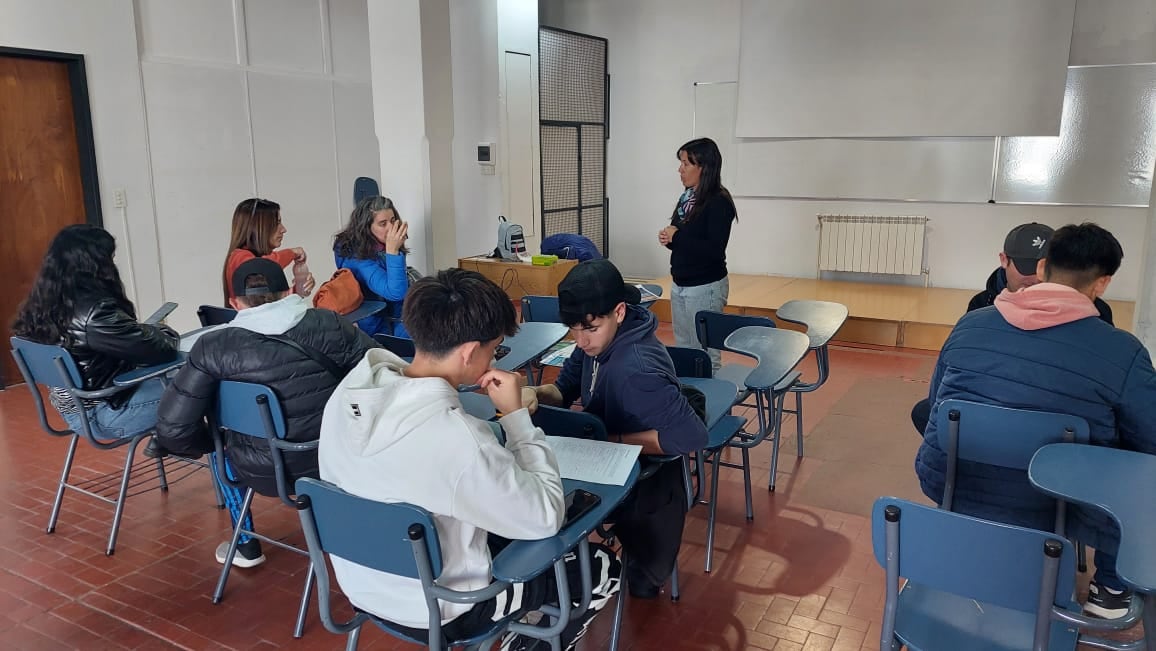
1046 348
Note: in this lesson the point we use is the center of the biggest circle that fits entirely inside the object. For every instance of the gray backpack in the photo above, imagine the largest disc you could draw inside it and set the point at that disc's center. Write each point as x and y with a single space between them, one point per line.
511 240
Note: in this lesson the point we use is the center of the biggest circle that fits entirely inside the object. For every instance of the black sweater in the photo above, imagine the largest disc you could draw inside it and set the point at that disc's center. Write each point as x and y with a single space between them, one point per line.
698 251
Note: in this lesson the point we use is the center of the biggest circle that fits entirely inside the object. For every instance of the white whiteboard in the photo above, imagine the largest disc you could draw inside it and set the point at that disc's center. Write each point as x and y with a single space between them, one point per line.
894 68
1104 153
916 169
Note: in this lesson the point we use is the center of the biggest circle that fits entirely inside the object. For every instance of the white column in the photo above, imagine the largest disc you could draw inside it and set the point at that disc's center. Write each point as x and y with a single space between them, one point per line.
1144 325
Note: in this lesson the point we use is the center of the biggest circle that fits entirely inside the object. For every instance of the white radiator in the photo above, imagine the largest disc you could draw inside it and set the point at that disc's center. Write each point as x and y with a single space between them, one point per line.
872 244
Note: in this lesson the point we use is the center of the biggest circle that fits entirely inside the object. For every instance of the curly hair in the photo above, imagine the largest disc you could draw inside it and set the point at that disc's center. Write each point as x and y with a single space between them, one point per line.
356 240
255 222
79 263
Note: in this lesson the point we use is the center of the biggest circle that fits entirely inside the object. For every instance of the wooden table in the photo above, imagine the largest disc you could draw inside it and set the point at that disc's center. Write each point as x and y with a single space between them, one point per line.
520 279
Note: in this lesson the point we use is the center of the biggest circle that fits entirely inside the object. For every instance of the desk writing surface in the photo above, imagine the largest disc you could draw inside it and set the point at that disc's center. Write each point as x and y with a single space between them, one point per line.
720 396
1070 471
148 372
532 339
523 560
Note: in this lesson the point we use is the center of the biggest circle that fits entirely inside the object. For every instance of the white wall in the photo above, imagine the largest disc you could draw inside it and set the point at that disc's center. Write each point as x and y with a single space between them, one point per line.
223 99
105 33
659 48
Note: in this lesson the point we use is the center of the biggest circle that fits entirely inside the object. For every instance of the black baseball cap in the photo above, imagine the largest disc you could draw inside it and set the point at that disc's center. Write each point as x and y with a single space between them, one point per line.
275 281
1026 244
593 288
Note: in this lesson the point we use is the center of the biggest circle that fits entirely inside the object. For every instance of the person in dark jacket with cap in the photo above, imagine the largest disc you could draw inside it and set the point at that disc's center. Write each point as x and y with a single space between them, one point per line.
1022 249
623 374
245 350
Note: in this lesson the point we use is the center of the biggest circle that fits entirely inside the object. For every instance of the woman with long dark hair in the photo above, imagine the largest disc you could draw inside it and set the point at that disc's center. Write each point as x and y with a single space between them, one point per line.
372 246
697 237
257 232
78 302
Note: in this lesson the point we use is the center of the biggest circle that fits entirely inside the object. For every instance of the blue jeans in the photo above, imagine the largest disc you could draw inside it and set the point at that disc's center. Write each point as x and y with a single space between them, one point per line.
234 497
686 302
1106 571
137 416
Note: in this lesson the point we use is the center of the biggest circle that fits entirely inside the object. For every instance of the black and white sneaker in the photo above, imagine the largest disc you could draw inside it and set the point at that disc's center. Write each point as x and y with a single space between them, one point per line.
248 553
1107 603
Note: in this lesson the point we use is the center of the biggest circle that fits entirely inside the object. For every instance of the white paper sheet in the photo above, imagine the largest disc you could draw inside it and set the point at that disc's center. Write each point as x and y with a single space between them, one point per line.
598 462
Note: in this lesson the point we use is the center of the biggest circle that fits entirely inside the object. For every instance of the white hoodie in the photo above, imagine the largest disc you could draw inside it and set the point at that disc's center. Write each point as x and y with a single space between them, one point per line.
390 438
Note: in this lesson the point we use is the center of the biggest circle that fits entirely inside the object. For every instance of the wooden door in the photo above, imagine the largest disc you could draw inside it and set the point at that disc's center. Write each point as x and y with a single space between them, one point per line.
41 190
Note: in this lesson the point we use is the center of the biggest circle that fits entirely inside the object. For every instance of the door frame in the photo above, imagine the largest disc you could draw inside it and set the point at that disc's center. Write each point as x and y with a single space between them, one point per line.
82 120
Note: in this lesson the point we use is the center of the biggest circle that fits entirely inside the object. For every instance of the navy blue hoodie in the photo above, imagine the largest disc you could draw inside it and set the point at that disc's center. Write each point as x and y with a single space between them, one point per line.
636 388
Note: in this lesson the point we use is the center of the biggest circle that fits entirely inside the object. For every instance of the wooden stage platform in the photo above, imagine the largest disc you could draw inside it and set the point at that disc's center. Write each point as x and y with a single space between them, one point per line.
884 315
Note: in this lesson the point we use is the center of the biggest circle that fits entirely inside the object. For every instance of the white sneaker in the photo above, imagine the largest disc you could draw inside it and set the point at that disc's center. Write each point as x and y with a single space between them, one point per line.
248 554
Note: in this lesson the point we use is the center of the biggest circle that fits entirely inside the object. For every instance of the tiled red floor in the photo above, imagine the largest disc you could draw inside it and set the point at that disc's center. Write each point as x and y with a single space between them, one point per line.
797 577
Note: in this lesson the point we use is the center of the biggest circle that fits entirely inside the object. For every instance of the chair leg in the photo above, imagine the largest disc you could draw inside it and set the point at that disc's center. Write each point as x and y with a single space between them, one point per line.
237 528
118 511
799 422
776 407
620 607
711 512
747 483
303 609
161 476
217 492
68 458
351 641
674 593
1082 557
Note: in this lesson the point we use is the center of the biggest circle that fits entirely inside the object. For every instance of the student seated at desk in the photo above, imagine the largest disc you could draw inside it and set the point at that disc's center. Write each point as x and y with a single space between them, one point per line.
396 432
258 233
78 302
1047 348
249 349
1022 249
624 375
372 246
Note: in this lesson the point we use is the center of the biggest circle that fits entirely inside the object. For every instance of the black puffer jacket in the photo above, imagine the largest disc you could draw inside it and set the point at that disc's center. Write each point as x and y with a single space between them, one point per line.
302 385
105 340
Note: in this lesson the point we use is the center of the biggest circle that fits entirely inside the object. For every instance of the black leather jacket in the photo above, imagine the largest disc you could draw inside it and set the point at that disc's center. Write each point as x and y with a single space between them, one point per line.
106 341
302 385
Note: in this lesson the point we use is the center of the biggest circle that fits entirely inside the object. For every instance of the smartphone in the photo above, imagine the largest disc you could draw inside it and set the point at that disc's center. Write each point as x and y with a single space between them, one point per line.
161 313
501 351
578 504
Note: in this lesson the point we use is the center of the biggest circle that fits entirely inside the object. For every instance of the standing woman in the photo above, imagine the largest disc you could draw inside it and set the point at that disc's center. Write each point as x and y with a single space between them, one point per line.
372 246
257 233
78 302
697 237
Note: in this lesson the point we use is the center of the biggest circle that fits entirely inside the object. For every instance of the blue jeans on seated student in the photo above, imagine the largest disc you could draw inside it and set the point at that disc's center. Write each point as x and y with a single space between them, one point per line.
137 416
686 302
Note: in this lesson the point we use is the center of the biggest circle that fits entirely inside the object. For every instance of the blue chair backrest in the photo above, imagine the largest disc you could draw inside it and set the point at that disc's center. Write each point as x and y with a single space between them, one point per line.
986 561
714 327
40 361
556 421
211 315
1001 436
540 309
690 362
238 409
399 346
364 187
372 534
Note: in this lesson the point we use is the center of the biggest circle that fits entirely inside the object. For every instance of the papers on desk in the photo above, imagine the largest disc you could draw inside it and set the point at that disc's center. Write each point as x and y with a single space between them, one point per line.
558 353
598 462
190 338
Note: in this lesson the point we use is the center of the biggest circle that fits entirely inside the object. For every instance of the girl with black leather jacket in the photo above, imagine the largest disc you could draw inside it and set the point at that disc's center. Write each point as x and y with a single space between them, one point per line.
78 302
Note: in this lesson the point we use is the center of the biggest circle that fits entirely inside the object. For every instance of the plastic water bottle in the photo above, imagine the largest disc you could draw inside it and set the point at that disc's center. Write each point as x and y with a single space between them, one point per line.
300 277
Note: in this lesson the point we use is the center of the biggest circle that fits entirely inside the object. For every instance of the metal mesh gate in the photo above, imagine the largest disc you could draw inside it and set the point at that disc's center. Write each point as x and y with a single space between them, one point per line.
575 109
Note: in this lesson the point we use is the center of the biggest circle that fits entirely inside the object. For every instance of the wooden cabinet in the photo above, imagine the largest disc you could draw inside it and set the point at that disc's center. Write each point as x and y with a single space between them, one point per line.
519 279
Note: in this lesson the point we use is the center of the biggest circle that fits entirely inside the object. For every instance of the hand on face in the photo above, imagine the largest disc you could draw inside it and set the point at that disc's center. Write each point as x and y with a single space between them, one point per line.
504 389
395 235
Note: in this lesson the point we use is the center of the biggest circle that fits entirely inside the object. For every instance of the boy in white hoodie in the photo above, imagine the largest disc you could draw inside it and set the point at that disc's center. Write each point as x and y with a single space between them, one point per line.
396 432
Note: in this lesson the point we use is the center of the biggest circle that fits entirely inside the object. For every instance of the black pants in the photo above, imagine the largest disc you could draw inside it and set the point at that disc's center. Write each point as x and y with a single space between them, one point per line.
920 414
649 524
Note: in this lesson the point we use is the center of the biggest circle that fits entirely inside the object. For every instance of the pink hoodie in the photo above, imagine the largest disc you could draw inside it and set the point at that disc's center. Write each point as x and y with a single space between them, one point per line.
1043 306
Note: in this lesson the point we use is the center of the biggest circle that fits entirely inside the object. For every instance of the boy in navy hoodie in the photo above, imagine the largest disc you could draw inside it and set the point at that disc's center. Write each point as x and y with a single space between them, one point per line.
623 374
